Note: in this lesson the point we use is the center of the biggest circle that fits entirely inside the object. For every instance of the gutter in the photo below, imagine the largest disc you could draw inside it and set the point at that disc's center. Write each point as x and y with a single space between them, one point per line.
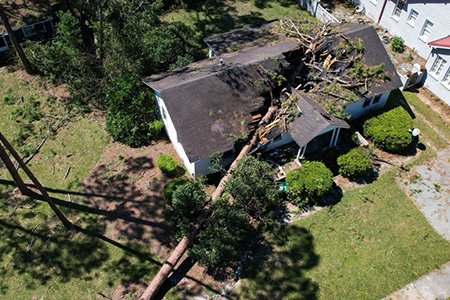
381 12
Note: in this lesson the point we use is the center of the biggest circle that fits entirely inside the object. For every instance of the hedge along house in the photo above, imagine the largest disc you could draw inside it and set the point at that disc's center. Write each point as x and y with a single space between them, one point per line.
212 104
28 19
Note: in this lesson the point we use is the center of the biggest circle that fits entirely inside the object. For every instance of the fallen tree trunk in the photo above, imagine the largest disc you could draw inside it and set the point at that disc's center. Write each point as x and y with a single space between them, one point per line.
187 241
36 182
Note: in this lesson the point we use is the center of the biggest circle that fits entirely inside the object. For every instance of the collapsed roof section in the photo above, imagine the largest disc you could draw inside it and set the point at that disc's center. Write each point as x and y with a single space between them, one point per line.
211 102
347 63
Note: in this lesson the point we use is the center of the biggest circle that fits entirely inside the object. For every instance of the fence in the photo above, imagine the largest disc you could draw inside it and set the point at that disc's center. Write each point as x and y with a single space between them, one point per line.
314 8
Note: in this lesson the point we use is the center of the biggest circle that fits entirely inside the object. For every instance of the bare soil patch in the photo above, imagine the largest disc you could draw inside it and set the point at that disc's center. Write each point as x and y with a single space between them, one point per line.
127 187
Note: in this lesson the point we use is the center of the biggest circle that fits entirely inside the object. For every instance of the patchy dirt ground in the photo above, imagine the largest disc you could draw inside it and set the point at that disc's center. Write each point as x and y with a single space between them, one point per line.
127 188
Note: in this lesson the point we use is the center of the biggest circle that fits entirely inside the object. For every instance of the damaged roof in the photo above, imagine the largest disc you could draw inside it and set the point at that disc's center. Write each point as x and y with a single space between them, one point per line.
312 120
236 39
23 12
374 54
210 104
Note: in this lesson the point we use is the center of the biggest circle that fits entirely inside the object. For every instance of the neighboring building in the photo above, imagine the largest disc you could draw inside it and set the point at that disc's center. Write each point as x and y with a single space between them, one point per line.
417 22
438 66
424 26
28 19
206 106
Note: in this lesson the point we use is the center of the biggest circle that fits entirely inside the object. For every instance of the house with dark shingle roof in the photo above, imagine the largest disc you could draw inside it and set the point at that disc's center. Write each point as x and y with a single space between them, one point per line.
210 104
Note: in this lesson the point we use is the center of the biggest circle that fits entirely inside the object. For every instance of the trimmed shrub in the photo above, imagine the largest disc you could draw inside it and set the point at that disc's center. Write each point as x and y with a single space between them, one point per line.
308 183
397 44
354 163
167 164
170 187
389 131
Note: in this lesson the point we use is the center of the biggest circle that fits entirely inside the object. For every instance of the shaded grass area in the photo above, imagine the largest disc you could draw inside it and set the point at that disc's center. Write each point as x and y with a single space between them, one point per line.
38 258
371 243
214 16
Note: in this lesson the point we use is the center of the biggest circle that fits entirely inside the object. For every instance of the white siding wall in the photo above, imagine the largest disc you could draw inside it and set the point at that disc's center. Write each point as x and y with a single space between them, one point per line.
356 109
435 82
437 12
285 139
172 133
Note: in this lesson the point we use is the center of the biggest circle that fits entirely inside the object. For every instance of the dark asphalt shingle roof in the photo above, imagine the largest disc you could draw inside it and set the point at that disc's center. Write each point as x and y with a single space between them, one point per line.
223 42
374 54
211 104
312 121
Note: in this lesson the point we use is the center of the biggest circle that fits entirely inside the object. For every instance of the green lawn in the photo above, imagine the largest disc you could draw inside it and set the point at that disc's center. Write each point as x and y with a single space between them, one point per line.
371 243
38 258
215 16
429 114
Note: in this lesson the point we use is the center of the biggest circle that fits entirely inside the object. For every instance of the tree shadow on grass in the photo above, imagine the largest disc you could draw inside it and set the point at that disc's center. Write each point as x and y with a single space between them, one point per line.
43 253
279 272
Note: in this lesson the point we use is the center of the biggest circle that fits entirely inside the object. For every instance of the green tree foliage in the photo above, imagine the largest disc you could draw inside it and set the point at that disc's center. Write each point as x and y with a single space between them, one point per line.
170 187
253 189
397 44
389 130
131 39
354 163
167 164
309 182
224 237
131 117
187 203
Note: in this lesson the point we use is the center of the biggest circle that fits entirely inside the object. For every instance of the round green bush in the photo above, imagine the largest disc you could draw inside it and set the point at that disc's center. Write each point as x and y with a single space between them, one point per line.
309 182
354 163
389 131
397 44
167 164
170 187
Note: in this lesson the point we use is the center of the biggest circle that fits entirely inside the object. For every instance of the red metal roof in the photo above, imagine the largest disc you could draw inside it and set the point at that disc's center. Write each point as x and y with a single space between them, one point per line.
442 43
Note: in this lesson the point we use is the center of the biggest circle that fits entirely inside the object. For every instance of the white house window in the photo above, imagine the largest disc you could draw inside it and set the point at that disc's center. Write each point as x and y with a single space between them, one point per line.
397 10
376 99
438 65
412 18
446 80
28 31
163 113
426 30
3 43
367 102
32 30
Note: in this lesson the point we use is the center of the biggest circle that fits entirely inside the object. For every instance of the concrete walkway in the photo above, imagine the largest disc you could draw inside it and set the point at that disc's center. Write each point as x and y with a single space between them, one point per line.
430 190
435 285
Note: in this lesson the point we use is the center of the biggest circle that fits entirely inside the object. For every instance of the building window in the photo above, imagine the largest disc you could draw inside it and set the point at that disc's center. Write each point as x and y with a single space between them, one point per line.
397 10
376 99
3 43
366 102
28 31
438 65
426 30
163 113
446 80
278 138
412 18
